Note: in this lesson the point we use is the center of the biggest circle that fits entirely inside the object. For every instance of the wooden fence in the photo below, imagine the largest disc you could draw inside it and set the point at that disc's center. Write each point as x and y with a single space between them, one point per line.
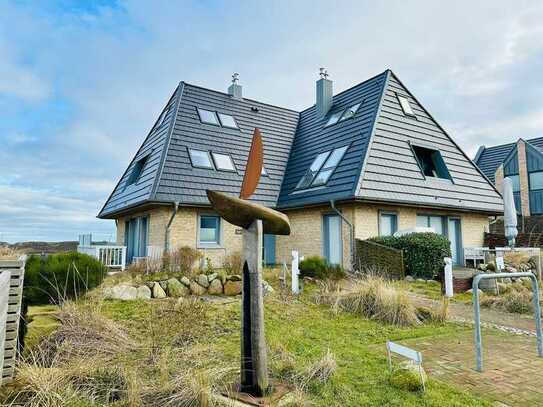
12 296
379 259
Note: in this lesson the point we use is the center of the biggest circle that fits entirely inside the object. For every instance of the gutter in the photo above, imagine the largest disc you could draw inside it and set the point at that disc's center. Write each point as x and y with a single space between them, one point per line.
351 228
167 235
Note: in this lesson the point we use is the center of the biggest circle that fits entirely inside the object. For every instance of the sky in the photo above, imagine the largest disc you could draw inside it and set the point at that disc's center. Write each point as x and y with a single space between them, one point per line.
81 83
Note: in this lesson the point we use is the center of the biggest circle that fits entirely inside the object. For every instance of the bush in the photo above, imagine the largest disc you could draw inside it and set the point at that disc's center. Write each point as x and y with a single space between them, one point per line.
59 277
232 263
423 252
319 268
181 260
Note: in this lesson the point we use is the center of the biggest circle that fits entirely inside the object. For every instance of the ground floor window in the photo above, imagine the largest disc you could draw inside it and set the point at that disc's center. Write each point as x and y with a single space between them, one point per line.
332 241
438 223
450 227
135 238
209 230
388 223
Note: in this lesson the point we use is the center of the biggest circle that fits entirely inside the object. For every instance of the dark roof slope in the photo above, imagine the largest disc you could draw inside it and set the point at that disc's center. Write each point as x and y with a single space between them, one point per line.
489 159
313 138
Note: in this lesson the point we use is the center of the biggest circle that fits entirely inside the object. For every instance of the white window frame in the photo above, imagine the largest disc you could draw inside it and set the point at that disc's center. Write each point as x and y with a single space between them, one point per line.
211 167
211 244
406 105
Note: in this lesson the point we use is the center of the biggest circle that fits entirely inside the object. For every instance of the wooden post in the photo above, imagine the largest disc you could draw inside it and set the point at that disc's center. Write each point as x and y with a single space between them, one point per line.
254 363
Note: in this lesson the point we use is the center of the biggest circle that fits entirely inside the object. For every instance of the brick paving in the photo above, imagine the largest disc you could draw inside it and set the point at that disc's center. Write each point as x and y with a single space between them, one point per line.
512 372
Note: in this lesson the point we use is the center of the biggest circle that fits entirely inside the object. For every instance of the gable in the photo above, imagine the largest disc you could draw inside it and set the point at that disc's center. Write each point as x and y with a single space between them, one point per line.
392 174
510 164
313 137
534 158
491 158
128 193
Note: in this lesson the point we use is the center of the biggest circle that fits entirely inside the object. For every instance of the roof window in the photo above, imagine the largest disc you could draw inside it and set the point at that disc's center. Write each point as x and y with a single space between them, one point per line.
349 112
406 106
431 163
200 159
227 121
137 170
334 118
223 162
208 117
322 168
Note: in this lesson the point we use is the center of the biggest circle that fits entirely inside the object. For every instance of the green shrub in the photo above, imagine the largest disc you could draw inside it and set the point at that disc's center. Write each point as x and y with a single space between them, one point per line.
319 268
59 277
423 252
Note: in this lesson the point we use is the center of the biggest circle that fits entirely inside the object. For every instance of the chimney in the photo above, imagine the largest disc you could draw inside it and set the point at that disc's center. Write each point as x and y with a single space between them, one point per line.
234 89
324 93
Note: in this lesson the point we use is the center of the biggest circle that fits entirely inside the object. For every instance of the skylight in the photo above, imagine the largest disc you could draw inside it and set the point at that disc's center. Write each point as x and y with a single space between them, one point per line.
200 159
322 168
406 106
223 162
207 116
349 112
263 171
137 170
334 118
227 121
431 163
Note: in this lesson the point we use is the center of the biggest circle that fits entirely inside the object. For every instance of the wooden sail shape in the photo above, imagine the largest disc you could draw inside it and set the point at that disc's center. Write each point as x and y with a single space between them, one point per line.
253 169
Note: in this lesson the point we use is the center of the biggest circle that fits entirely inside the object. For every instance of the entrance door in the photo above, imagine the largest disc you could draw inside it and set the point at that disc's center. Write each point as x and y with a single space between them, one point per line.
332 239
455 237
268 248
136 238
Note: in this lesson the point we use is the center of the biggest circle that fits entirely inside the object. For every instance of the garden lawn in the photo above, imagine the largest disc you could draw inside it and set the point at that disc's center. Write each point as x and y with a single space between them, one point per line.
294 327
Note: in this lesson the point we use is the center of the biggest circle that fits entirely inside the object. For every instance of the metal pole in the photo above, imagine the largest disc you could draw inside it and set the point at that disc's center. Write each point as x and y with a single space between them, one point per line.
537 308
477 311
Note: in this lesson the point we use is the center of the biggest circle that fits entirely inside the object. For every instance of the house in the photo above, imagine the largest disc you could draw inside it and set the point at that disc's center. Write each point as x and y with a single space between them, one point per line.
523 163
364 162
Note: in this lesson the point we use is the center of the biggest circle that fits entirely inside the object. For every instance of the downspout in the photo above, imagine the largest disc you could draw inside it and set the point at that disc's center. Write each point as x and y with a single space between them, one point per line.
351 228
167 237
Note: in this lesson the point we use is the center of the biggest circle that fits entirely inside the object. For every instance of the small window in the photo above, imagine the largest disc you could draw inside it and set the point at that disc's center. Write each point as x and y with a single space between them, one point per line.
207 116
515 180
388 223
536 181
435 222
227 121
200 159
223 162
263 172
329 166
137 170
334 118
431 163
406 106
350 112
210 230
315 167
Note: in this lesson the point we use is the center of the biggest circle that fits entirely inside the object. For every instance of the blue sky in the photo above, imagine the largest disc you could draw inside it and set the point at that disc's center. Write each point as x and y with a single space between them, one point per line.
81 83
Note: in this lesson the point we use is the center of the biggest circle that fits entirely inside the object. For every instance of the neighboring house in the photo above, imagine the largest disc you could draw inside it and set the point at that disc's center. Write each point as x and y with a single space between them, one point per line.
367 161
523 163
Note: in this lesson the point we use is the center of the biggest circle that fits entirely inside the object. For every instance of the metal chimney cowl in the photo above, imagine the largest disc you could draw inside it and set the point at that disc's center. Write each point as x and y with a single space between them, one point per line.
325 94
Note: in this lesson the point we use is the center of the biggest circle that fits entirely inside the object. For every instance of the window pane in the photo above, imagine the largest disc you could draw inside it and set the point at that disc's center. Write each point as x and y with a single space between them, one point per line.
536 181
350 112
387 224
322 177
422 221
200 158
315 167
209 229
335 157
406 107
436 223
334 118
515 180
431 162
137 170
227 120
223 162
263 171
317 163
207 116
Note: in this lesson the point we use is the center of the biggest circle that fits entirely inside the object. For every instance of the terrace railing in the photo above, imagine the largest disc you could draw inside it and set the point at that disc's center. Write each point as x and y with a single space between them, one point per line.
109 256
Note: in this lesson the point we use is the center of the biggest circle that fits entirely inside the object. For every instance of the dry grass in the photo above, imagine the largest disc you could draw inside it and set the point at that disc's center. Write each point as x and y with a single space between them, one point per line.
374 298
9 253
321 370
517 299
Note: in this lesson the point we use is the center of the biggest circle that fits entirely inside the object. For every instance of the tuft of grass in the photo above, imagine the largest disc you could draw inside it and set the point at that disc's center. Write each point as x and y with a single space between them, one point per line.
321 370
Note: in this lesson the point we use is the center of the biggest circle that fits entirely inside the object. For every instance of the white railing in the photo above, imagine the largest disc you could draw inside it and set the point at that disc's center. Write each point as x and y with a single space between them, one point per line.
109 256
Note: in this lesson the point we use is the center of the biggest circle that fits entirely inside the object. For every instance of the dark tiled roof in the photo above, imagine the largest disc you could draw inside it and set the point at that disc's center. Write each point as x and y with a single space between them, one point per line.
491 157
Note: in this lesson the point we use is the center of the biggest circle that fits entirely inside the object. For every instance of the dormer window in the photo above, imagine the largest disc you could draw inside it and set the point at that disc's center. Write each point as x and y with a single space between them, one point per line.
137 170
322 168
208 117
223 162
200 159
430 162
227 121
406 106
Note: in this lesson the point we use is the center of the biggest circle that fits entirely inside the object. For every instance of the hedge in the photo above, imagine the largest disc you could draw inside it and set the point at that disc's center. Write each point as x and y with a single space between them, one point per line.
60 277
423 252
317 267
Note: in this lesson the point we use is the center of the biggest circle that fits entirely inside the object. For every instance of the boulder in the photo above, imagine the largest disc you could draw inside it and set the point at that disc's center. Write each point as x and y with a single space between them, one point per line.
212 277
158 291
233 277
507 280
215 287
421 280
164 284
196 288
185 281
409 279
482 267
267 288
123 292
232 288
202 280
470 291
144 292
176 289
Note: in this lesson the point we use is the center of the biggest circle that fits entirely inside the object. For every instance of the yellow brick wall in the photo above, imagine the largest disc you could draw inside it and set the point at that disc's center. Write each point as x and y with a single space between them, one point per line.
523 176
158 219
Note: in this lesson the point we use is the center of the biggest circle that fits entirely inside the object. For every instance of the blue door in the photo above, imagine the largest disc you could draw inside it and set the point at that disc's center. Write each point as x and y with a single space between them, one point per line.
135 238
268 248
332 246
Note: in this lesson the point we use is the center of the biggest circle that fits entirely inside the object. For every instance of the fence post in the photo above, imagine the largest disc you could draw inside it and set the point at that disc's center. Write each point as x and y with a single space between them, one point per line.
295 272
